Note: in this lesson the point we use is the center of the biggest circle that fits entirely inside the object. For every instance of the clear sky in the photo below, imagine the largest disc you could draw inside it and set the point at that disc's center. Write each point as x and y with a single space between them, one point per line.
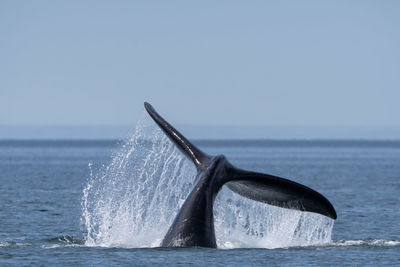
262 63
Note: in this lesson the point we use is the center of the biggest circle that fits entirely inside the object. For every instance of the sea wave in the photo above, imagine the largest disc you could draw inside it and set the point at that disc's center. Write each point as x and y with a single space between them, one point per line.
368 242
63 241
70 241
13 244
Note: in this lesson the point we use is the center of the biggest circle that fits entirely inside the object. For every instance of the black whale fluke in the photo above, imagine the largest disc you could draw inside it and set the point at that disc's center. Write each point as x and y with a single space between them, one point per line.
194 224
193 153
279 192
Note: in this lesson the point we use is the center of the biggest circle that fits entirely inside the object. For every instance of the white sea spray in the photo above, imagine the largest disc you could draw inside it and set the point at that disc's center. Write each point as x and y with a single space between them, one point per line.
132 201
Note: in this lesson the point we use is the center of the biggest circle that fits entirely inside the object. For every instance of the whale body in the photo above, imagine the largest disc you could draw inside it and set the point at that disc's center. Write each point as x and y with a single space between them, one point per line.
194 223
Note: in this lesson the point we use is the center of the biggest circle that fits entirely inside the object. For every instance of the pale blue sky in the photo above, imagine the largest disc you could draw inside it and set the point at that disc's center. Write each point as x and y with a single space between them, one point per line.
263 63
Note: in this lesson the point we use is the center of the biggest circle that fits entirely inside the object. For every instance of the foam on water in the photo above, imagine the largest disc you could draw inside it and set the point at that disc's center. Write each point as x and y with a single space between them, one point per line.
369 242
132 201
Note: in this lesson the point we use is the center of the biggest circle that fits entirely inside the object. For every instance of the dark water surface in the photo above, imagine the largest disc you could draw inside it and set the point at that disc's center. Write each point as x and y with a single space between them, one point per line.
41 185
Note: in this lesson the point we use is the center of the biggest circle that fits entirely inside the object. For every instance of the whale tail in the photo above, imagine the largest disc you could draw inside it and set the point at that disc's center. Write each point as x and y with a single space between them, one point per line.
261 187
198 157
278 191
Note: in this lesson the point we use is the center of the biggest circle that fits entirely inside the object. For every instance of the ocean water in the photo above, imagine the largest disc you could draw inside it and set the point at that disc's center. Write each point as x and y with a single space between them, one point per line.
110 203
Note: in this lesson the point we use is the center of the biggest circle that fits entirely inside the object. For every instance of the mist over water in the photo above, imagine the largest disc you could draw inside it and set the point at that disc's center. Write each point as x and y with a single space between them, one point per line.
132 201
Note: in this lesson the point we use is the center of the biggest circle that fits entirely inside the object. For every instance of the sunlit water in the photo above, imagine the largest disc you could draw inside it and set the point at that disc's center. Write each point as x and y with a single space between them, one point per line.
107 203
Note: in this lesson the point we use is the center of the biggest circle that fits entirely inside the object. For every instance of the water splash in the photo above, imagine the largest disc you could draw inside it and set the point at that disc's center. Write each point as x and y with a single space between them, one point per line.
132 201
241 222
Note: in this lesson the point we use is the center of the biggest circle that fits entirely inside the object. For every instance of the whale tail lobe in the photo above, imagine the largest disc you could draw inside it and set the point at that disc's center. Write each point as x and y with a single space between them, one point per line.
278 191
198 157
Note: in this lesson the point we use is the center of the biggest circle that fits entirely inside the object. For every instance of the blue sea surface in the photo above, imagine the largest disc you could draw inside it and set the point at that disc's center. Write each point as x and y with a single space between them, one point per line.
42 182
